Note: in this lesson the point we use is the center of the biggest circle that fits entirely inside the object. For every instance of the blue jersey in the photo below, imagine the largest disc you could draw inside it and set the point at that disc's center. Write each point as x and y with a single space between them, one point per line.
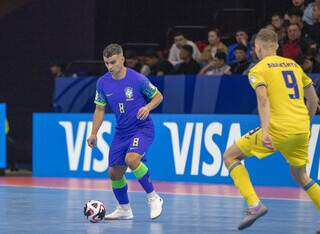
125 97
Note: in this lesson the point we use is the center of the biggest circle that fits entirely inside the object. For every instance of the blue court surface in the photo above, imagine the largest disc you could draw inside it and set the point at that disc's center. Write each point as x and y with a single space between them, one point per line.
51 210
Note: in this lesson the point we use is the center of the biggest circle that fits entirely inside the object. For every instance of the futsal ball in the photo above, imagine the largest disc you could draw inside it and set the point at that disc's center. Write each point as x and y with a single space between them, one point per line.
94 211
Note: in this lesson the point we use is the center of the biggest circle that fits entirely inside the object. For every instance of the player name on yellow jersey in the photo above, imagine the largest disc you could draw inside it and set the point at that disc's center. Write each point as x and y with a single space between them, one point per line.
284 64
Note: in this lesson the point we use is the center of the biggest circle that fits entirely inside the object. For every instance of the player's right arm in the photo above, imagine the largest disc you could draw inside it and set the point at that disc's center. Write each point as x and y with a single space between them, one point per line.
259 84
310 95
98 117
264 113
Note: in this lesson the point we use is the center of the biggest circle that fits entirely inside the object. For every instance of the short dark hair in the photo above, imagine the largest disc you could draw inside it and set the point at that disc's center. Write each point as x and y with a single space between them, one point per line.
295 12
176 34
295 24
112 49
216 30
241 47
221 55
241 30
188 48
277 13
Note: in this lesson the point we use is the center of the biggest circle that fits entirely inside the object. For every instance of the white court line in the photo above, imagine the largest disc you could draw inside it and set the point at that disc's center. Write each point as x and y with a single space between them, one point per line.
170 193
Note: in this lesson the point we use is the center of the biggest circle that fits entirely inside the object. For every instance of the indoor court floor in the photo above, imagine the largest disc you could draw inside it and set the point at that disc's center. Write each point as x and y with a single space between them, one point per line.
55 205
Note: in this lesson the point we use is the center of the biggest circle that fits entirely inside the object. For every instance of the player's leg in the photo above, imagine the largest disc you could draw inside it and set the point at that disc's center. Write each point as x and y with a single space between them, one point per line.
310 186
141 172
249 144
139 145
295 150
120 190
119 183
232 159
117 169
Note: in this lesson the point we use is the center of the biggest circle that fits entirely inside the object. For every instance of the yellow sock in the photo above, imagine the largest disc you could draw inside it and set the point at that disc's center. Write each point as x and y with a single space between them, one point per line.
241 179
313 190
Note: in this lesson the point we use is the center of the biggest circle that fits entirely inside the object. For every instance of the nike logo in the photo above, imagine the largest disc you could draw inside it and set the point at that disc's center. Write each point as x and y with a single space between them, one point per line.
108 94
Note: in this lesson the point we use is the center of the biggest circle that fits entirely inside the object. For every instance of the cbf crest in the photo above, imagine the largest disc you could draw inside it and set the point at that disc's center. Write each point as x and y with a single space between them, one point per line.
128 91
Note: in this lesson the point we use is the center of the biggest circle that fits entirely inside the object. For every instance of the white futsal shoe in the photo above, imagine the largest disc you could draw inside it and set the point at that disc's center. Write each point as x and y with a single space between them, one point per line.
121 212
155 203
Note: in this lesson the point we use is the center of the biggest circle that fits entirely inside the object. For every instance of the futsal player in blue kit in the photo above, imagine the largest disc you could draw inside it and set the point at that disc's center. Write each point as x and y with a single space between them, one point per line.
131 96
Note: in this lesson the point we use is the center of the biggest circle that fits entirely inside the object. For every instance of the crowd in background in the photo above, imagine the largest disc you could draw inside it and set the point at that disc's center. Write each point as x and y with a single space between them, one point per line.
298 32
299 39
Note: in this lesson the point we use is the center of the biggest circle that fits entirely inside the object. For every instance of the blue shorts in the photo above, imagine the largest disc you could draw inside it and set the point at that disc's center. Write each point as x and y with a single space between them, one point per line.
137 142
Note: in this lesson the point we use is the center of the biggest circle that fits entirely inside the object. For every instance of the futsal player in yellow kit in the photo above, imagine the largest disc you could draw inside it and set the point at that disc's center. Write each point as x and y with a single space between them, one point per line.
281 87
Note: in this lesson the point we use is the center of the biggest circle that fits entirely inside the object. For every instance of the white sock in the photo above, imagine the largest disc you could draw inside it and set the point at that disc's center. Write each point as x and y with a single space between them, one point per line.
255 205
152 194
125 206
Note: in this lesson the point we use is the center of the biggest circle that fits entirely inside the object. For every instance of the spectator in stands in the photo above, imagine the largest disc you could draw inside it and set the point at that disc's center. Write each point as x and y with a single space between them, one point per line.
309 64
254 57
132 61
242 62
188 65
309 33
299 4
314 30
241 39
295 17
294 46
217 66
57 69
158 67
179 41
307 14
270 27
277 23
214 45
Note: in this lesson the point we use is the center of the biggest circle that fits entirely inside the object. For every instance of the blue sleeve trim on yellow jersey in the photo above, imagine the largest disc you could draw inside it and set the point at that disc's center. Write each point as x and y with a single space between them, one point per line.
308 85
309 185
260 84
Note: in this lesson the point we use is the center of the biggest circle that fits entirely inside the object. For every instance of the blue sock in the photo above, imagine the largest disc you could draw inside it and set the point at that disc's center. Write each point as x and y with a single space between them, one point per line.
120 190
142 174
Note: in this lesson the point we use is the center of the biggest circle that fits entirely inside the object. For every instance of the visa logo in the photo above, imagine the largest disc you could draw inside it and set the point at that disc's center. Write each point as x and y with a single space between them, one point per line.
204 138
77 142
201 136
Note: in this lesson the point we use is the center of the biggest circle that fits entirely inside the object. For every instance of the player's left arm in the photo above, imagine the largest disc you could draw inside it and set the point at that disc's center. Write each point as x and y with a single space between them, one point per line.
264 113
312 99
310 94
155 96
154 102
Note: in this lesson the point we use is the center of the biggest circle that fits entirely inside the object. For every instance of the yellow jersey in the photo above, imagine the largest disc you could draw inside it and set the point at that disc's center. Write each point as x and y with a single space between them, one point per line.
285 82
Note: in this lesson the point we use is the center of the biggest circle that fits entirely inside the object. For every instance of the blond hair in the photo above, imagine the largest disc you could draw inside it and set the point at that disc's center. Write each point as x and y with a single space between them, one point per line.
267 35
268 38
